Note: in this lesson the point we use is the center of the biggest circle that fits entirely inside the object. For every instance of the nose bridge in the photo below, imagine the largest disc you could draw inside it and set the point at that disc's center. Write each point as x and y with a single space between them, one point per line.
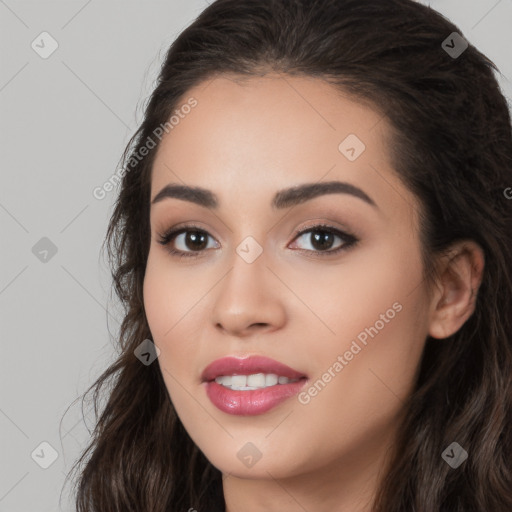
246 279
246 295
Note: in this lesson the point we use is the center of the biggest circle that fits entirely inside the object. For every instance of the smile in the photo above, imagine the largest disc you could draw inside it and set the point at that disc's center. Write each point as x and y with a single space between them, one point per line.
252 382
251 385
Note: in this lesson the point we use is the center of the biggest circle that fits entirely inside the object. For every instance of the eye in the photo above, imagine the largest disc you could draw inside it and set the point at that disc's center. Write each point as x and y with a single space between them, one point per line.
323 239
196 240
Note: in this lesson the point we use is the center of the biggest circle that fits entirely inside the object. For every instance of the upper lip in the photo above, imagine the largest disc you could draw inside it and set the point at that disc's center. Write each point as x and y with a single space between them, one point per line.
248 366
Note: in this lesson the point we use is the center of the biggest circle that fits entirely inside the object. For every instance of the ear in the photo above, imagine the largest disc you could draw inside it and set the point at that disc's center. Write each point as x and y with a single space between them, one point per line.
460 275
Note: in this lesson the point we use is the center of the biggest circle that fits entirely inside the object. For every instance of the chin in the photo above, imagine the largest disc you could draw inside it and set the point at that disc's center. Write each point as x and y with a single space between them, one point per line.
246 460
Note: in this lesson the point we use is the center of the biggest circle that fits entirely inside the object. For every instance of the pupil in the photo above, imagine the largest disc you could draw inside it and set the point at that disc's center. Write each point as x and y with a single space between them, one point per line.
324 240
194 236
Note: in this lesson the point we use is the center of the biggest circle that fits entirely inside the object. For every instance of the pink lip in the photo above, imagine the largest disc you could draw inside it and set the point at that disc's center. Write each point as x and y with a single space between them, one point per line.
258 401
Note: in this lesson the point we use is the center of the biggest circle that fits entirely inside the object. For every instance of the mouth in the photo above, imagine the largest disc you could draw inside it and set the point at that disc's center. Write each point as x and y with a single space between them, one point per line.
253 381
251 385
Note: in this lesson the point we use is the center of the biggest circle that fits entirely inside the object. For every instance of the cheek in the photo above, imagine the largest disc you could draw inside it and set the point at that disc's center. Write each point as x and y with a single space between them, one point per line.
378 314
169 295
167 301
361 297
174 310
359 388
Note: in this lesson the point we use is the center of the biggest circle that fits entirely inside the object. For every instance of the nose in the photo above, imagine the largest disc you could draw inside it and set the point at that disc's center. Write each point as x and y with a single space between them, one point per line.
249 300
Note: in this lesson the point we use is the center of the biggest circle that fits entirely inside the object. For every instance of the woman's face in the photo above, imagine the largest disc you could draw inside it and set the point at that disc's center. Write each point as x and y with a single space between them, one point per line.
349 319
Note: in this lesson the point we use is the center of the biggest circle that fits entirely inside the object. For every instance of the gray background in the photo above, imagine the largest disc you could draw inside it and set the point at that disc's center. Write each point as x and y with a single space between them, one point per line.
64 123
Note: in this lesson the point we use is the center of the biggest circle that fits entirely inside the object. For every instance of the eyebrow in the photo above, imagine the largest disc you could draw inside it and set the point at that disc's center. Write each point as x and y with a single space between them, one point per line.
282 199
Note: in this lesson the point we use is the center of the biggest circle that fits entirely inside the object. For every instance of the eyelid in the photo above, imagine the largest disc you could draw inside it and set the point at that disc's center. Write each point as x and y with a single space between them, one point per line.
344 234
170 234
348 238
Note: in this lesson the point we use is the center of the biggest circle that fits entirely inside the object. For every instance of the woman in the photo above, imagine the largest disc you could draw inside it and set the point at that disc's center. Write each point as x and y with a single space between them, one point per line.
312 235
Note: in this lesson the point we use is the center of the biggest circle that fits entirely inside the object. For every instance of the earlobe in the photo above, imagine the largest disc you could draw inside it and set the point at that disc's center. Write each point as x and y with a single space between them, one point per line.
457 289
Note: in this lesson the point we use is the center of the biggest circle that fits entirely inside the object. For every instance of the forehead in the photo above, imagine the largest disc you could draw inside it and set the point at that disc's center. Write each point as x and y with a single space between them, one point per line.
237 116
254 136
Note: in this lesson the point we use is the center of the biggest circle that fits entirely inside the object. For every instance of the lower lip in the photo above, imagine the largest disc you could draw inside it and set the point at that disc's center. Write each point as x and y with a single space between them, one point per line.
250 403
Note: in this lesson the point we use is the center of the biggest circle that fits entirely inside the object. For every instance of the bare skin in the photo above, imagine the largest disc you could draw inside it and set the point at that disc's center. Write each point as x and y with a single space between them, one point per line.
245 142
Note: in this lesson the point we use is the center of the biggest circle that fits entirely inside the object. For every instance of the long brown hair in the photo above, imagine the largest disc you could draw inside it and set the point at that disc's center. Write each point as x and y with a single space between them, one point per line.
451 146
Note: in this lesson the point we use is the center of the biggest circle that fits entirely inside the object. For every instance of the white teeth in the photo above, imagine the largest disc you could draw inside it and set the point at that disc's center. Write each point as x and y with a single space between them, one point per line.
239 381
271 379
256 381
251 382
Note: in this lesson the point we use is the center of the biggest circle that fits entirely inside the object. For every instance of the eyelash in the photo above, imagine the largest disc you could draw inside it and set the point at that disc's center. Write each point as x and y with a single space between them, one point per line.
349 239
